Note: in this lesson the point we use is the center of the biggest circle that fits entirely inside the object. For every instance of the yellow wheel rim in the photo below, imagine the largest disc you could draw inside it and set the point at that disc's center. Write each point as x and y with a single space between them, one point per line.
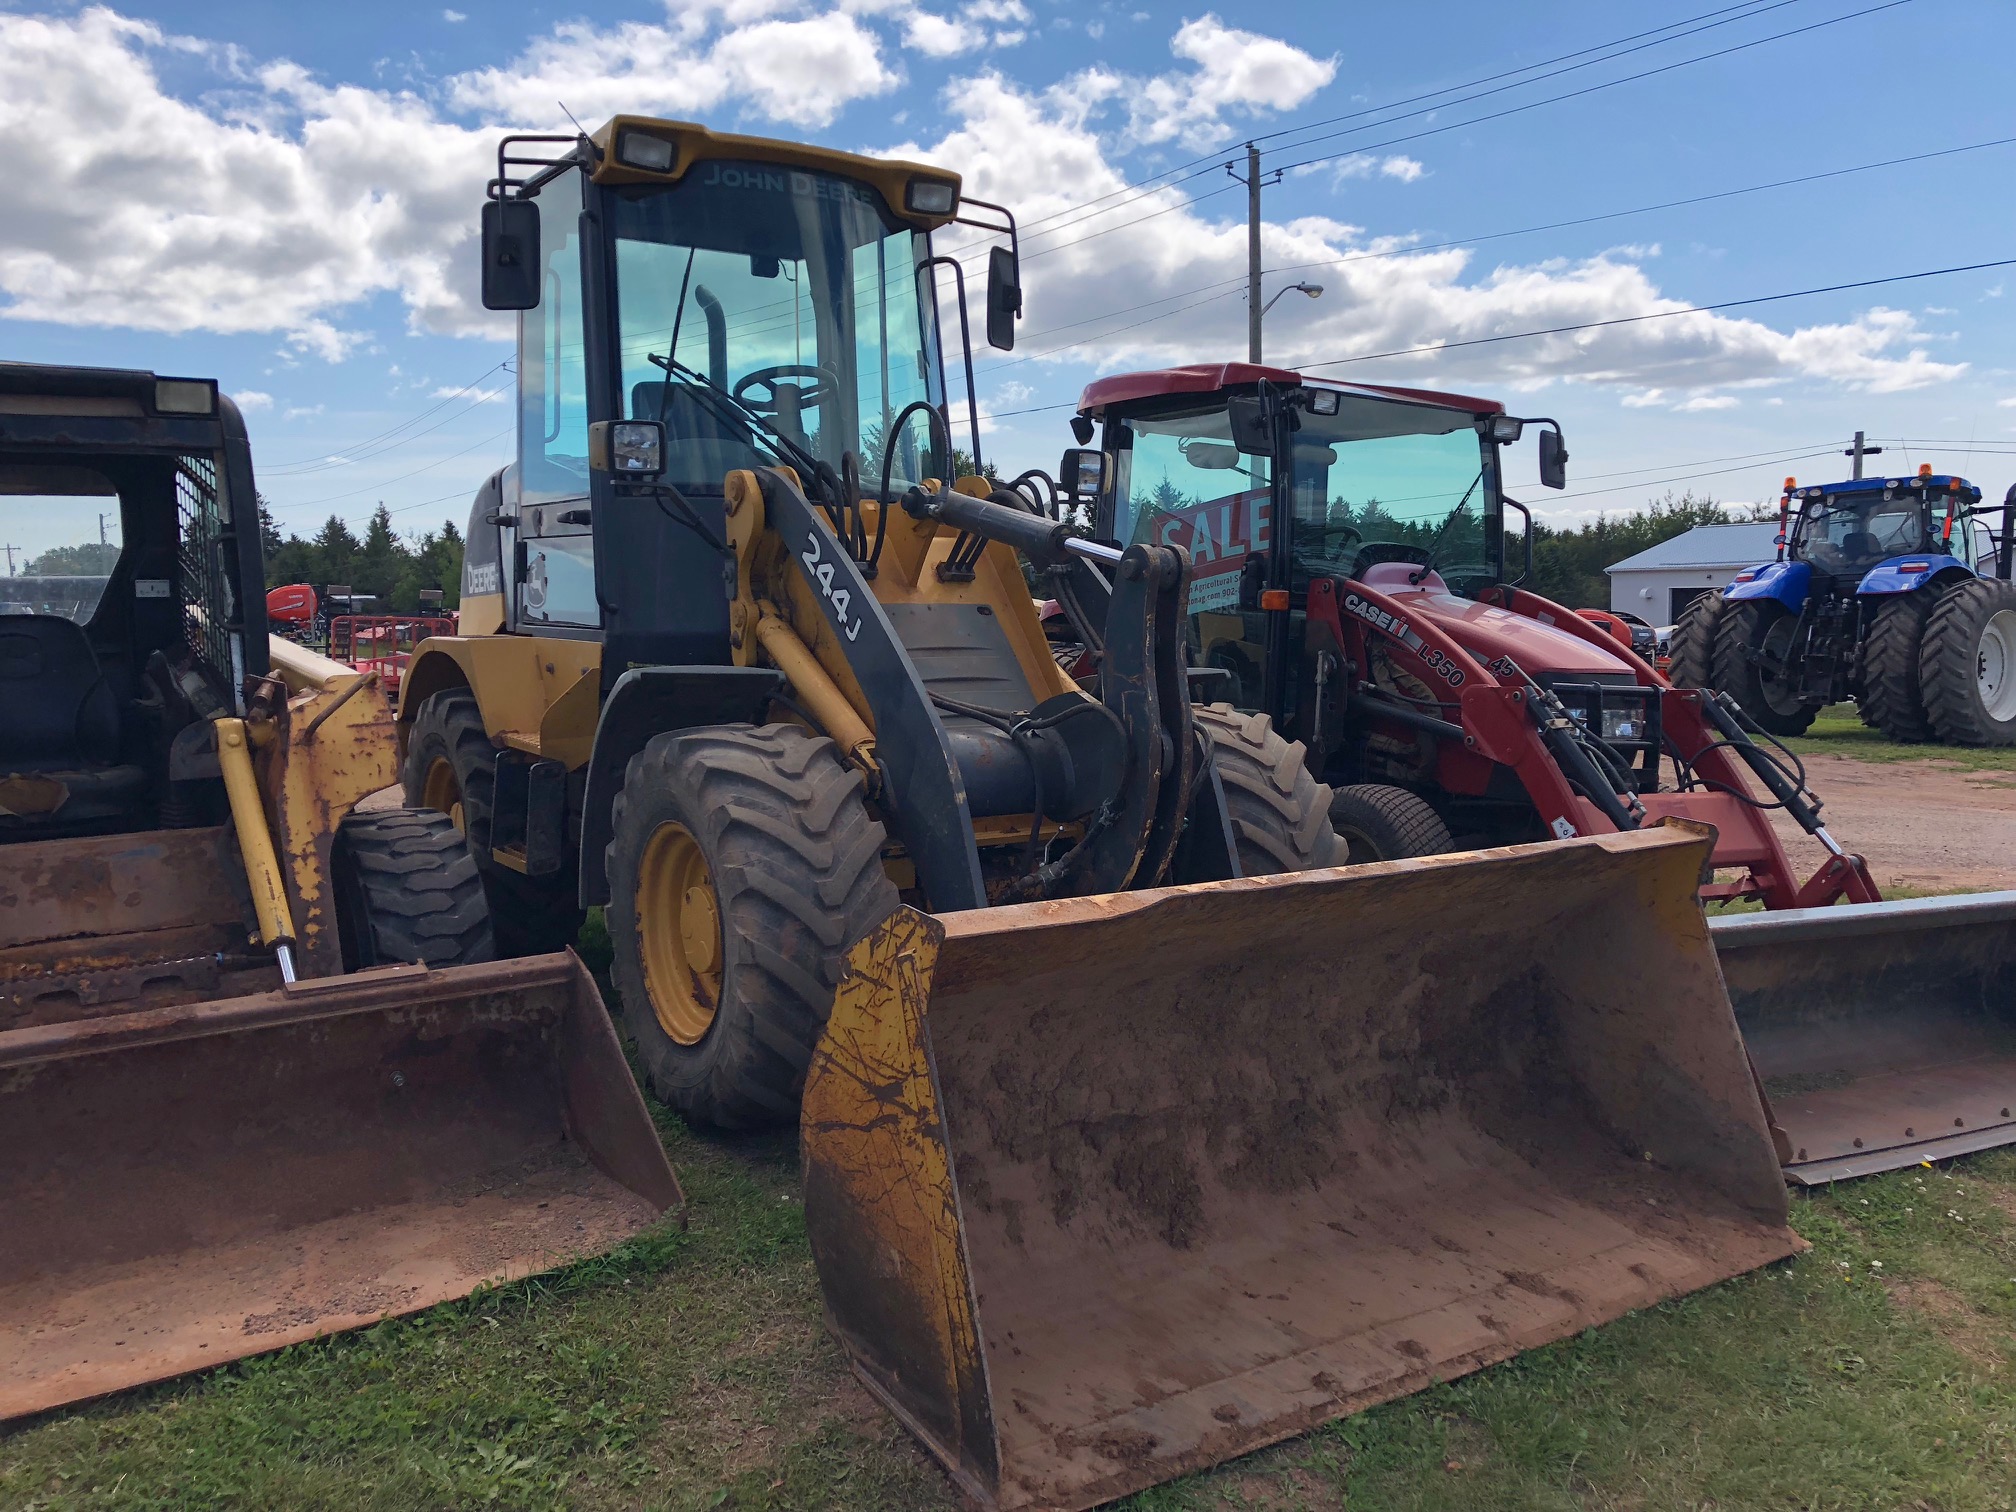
441 791
679 933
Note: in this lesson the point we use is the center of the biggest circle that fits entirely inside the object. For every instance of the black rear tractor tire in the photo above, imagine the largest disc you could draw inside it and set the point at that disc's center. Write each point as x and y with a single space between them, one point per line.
743 866
407 892
451 765
1691 654
1753 625
1280 813
1375 822
1892 697
1967 664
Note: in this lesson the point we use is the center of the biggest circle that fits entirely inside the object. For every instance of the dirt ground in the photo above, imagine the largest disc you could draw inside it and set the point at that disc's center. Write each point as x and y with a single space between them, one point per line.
1919 824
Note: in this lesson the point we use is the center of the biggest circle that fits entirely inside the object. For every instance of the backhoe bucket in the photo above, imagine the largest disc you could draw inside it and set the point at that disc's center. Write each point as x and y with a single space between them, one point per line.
1106 1190
1884 1033
189 1184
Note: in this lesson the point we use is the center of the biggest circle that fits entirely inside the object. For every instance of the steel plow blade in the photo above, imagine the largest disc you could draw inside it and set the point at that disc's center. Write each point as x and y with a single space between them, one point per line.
1106 1190
1884 1033
191 1184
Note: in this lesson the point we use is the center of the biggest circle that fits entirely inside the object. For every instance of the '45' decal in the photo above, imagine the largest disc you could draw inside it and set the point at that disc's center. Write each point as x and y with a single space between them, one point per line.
820 571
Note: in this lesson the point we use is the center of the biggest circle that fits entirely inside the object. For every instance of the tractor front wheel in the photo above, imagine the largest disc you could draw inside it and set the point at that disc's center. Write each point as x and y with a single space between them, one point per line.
1753 649
1967 664
743 866
1280 813
1377 822
1691 663
1892 698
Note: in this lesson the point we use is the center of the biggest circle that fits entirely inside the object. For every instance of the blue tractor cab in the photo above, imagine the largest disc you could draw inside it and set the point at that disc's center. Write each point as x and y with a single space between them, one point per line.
1894 592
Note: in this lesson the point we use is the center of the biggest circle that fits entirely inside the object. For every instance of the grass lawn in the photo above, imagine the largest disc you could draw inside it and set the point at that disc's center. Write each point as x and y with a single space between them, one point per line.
690 1370
1839 731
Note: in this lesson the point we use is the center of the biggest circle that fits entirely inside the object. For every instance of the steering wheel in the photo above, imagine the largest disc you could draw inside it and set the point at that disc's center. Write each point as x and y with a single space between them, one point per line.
1321 537
769 379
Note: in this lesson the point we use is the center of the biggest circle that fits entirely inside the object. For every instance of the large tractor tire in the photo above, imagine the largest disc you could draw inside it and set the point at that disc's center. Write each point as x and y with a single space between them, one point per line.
743 866
451 765
1691 658
1375 822
1967 664
1280 813
407 892
1759 625
1892 698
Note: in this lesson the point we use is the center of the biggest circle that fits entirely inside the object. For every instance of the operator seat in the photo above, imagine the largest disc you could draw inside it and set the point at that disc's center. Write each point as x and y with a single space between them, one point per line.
60 730
1858 544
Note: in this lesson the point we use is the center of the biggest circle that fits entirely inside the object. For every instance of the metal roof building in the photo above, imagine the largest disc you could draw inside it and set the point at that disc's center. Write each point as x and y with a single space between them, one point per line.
1658 582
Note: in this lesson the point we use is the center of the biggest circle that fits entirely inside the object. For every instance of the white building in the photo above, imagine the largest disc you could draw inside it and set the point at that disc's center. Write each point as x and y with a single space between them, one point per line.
1657 583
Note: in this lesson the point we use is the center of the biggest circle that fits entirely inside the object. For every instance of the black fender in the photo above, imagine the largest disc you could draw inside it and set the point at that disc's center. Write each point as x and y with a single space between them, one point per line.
648 701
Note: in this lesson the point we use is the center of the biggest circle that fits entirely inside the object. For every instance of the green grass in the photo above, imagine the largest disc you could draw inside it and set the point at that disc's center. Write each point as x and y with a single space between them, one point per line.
690 1370
1839 731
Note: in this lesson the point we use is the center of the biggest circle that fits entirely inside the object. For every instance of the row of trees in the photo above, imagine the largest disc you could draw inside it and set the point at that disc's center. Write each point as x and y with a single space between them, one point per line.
382 563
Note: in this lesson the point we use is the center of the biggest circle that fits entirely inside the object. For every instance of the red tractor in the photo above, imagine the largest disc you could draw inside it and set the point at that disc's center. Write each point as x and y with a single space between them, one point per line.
1350 581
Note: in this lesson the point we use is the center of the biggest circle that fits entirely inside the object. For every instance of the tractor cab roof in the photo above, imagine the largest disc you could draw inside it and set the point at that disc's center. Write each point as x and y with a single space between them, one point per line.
1123 389
1939 484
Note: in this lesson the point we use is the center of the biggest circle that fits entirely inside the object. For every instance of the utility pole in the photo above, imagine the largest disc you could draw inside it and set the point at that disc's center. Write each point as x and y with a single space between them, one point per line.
101 528
1254 183
10 550
1858 451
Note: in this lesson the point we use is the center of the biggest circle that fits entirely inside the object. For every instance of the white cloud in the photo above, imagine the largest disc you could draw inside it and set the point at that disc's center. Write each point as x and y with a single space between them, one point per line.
944 37
1702 402
1361 165
1645 399
502 395
2009 403
1236 72
252 399
454 17
302 412
801 71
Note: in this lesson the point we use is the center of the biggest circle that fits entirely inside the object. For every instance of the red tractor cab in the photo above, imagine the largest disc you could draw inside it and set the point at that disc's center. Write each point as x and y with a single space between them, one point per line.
1350 580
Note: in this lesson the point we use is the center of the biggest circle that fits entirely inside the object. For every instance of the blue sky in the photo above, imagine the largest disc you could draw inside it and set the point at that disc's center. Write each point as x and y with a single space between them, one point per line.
285 197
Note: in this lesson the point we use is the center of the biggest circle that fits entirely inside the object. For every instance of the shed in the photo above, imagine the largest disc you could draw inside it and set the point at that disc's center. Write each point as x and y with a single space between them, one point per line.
1660 581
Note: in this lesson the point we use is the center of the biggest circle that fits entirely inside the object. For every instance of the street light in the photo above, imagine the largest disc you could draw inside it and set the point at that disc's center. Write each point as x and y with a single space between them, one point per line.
1312 290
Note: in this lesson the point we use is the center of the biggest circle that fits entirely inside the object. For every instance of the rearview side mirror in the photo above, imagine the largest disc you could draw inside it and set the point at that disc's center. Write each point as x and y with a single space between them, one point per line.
1553 459
1004 298
511 254
1250 431
627 448
1082 473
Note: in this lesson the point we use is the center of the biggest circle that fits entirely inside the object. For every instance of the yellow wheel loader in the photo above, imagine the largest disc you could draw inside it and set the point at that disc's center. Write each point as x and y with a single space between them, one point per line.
1111 1171
261 1075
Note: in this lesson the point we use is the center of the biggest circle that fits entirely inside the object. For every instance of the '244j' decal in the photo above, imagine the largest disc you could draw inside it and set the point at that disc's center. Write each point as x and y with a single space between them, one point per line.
820 571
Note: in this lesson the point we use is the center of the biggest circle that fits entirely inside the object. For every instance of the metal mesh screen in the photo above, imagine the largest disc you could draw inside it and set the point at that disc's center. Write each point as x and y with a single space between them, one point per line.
208 607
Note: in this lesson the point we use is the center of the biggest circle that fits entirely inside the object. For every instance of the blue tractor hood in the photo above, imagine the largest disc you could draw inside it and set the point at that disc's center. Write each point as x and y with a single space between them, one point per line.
1787 582
1907 574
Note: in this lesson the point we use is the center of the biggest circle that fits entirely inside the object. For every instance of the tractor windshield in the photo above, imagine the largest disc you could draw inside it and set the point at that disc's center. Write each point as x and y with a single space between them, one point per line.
788 293
1853 532
1378 473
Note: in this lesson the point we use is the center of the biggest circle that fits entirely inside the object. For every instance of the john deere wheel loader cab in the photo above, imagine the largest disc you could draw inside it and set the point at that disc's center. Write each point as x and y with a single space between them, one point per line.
1893 591
1351 584
718 680
217 1142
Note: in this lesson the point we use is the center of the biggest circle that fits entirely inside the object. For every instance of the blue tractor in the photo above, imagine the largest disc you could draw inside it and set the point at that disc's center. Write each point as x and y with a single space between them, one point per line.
1894 592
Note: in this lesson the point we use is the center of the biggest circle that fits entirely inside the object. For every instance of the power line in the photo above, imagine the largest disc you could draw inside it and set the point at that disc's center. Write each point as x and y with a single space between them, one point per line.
383 482
1749 7
339 456
1229 286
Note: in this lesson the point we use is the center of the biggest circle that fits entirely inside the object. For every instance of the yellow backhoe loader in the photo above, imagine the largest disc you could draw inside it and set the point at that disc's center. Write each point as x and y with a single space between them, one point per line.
261 1077
1111 1171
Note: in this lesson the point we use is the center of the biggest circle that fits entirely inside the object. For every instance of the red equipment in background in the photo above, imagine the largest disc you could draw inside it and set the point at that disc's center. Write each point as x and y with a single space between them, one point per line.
383 643
290 610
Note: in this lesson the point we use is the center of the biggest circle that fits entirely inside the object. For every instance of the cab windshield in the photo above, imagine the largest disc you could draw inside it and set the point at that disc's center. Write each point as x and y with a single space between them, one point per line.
1377 473
1846 533
792 294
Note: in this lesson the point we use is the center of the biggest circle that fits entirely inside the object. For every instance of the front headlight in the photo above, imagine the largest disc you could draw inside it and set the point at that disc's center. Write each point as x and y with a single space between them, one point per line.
1627 723
931 197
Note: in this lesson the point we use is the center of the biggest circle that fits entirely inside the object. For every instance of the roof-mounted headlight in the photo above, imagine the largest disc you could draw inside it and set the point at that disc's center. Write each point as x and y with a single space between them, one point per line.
1323 401
1505 429
639 149
931 197
185 396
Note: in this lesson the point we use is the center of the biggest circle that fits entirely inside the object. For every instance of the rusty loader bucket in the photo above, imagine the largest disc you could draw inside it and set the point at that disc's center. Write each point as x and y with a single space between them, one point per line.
1885 1033
191 1183
1106 1190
